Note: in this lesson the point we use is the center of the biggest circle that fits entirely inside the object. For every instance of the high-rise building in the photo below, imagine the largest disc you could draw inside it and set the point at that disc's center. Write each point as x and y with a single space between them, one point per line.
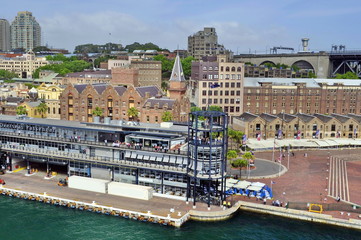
4 35
205 43
25 31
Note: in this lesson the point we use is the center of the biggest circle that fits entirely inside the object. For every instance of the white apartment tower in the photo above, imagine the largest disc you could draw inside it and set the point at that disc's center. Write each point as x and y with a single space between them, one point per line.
4 35
25 31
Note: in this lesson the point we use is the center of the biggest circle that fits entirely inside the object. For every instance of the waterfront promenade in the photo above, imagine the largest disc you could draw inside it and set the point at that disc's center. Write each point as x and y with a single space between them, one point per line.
315 178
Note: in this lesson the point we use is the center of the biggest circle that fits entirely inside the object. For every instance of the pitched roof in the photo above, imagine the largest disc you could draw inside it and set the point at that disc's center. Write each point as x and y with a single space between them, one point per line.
177 72
161 102
33 104
80 87
120 90
153 90
341 118
268 117
323 118
14 99
304 117
286 117
355 117
247 117
100 87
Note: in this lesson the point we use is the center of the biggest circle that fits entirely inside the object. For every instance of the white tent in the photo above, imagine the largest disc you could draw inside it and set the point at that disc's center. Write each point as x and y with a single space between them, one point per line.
258 184
254 188
242 184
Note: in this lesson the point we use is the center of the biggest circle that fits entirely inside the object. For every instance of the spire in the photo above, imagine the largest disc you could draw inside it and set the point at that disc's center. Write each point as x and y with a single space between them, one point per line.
177 72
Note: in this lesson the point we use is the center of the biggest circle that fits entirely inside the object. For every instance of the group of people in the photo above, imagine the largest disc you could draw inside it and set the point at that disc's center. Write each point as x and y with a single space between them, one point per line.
277 203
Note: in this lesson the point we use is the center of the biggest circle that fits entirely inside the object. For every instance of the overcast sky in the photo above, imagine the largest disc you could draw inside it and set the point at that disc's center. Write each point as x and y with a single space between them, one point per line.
241 25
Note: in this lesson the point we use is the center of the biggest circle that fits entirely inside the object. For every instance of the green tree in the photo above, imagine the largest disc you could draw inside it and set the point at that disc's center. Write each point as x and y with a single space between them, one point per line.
30 85
215 108
67 66
347 75
133 113
7 75
187 66
311 75
97 112
42 108
239 163
231 154
21 110
167 116
195 109
164 85
166 63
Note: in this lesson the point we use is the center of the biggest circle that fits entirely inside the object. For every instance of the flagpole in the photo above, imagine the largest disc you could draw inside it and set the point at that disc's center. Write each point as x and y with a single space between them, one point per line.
273 155
280 163
288 157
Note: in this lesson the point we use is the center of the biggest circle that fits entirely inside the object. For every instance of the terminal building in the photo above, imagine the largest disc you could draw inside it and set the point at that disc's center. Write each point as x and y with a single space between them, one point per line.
157 155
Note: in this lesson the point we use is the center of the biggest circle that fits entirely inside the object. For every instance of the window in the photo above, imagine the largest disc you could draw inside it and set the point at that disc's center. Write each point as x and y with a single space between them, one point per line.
226 93
215 101
227 85
233 69
227 69
204 84
204 93
232 85
226 101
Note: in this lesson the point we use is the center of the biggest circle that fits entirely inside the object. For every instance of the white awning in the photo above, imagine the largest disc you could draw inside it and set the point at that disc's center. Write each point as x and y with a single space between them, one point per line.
242 184
254 188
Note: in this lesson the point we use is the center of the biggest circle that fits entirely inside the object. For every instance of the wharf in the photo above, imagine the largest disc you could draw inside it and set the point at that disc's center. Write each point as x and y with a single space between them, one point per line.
170 210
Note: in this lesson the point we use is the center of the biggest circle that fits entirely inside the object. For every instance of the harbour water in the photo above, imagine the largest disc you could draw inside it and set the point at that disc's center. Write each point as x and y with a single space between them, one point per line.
22 219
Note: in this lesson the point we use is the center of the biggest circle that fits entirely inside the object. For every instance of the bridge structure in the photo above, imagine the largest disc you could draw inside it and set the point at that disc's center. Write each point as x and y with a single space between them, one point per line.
323 64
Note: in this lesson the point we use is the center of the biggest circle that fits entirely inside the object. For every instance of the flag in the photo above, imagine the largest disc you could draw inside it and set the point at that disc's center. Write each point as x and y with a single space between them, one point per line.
298 134
338 134
244 139
355 132
214 85
317 133
279 133
259 136
273 182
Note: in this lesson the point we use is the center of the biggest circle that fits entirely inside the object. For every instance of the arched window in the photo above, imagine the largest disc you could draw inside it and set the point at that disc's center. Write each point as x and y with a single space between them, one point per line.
233 69
227 69
210 68
239 69
221 68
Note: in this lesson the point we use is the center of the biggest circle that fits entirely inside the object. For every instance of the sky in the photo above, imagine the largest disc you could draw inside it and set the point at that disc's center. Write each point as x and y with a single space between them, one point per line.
242 26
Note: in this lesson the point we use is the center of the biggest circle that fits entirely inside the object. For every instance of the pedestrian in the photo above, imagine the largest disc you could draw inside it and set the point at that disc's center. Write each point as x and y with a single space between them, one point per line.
338 198
264 201
293 154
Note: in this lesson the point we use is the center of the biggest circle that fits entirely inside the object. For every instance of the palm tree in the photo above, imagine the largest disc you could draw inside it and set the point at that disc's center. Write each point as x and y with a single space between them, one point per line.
42 108
167 116
21 110
132 113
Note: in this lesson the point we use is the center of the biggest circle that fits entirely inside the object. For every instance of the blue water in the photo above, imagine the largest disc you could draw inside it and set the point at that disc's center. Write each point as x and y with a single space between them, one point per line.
22 219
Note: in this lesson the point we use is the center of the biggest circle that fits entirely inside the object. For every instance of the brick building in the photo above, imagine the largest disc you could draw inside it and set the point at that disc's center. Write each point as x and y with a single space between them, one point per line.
282 125
79 101
324 96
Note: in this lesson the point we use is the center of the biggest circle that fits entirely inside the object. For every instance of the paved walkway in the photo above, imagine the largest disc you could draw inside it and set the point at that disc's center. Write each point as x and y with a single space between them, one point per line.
157 205
307 179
